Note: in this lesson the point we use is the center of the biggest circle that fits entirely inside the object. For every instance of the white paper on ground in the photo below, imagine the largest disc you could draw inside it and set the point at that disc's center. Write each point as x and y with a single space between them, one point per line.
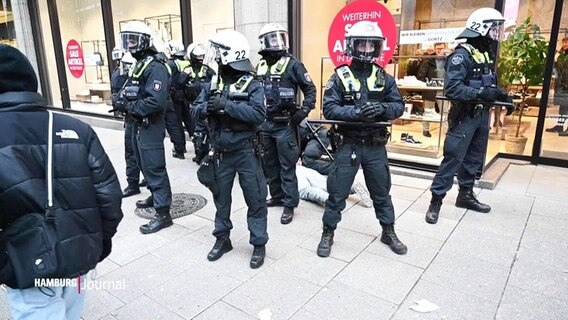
265 314
424 306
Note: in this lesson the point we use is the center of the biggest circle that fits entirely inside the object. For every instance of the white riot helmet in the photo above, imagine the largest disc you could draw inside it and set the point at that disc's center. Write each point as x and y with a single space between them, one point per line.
230 47
484 22
364 41
126 62
136 36
117 53
176 48
273 37
196 52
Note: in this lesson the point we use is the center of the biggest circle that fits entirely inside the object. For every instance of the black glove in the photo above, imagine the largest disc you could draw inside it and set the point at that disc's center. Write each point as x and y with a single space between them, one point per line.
298 117
107 248
372 110
216 103
118 103
491 94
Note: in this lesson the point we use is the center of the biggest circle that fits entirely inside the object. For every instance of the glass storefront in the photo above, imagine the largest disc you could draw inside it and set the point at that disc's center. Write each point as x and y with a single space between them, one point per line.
7 28
426 31
555 134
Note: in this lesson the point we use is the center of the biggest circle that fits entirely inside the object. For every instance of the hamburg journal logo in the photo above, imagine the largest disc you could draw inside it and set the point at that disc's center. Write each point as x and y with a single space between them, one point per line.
84 282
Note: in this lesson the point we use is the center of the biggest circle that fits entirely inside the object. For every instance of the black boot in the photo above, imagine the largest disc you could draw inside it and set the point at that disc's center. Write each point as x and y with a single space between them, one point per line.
143 183
130 191
434 209
324 247
389 238
178 154
274 202
257 258
221 247
146 203
466 199
287 215
563 134
159 221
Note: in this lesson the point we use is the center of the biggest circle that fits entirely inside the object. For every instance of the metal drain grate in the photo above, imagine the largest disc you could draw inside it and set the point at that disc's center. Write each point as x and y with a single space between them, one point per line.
183 204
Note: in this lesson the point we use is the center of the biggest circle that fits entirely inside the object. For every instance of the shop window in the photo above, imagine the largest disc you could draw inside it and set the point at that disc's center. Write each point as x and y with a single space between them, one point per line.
555 135
7 29
84 48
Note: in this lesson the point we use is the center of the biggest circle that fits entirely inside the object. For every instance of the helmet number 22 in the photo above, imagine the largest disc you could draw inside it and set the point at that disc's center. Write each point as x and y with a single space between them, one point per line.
240 54
475 26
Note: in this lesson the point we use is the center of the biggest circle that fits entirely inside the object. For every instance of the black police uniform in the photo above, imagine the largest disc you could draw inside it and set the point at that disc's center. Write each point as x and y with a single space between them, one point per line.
234 150
194 79
117 81
360 146
467 70
279 139
147 94
174 125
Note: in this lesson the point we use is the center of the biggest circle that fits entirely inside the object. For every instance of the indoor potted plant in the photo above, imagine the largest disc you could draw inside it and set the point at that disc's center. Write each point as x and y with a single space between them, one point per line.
522 60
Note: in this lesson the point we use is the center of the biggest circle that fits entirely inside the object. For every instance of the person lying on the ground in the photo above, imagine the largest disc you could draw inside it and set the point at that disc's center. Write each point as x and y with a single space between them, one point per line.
312 186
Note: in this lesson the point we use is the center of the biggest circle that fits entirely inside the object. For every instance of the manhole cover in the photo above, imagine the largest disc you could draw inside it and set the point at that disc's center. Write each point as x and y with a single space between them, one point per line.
182 205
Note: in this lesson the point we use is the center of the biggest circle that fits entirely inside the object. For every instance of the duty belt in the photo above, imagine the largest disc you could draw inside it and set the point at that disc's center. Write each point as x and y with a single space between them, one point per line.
365 141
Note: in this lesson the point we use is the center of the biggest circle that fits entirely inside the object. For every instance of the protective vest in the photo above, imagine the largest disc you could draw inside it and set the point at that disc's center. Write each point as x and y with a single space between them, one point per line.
201 74
280 92
137 70
483 67
352 89
239 88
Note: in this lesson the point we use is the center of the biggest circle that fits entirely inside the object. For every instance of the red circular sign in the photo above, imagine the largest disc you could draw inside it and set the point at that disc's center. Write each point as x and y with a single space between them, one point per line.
75 59
369 10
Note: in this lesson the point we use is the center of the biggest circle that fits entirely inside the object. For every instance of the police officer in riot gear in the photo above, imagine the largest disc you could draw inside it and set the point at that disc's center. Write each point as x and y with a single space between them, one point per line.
117 81
234 108
470 84
196 76
361 92
282 75
174 126
144 98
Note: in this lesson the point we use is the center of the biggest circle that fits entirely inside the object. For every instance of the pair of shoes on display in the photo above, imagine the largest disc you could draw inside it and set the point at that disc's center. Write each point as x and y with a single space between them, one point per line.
362 192
563 134
409 140
556 128
223 246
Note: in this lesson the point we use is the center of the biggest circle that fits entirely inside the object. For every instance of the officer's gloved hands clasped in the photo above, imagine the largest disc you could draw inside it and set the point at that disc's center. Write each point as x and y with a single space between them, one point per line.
297 118
118 102
216 104
371 110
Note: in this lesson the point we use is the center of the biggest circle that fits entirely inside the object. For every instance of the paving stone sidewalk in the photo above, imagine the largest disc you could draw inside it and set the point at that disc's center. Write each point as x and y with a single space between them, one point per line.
509 264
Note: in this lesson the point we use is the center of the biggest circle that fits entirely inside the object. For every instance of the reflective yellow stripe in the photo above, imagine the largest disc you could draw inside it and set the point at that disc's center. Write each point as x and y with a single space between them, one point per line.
350 83
131 73
240 86
278 68
181 64
201 74
476 54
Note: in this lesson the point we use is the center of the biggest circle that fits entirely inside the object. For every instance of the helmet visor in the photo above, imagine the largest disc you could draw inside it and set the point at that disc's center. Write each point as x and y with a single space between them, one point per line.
134 42
496 31
365 49
274 41
212 55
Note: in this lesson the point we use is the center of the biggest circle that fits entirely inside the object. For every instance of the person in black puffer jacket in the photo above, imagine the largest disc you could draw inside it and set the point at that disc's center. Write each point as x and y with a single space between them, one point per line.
86 190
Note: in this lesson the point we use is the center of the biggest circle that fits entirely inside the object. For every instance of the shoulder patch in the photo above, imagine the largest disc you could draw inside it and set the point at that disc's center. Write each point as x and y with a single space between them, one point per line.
457 59
157 85
329 84
307 77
